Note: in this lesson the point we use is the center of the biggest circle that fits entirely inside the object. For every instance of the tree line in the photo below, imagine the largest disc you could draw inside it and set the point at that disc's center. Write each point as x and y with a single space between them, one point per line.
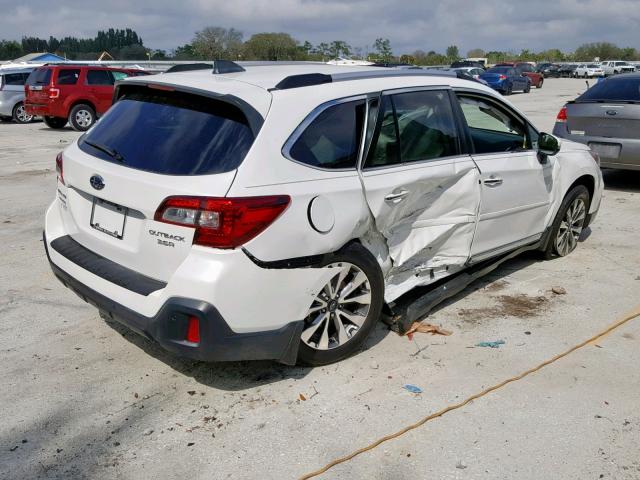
122 44
212 43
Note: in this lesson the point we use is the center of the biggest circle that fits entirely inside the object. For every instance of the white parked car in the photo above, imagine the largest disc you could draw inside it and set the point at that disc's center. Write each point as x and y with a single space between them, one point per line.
472 71
613 67
270 212
588 70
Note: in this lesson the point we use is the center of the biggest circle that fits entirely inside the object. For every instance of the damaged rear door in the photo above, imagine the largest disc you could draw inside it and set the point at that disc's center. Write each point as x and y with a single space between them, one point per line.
423 192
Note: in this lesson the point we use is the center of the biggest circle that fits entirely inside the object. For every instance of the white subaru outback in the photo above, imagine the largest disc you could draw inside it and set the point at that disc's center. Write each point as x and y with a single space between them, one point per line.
272 211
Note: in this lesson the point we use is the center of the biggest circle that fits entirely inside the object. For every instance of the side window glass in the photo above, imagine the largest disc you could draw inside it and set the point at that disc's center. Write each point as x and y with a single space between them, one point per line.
68 76
426 126
13 79
119 75
99 77
332 139
492 128
384 146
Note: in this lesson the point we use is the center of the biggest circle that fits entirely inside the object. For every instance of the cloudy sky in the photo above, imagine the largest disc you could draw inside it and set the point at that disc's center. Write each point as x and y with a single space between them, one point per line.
409 24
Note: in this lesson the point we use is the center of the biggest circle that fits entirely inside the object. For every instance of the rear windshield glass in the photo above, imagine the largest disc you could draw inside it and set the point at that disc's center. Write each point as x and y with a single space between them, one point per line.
40 76
171 133
499 70
613 89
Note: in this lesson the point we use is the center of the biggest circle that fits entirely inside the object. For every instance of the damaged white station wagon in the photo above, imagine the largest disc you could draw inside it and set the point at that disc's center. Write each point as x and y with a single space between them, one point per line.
273 211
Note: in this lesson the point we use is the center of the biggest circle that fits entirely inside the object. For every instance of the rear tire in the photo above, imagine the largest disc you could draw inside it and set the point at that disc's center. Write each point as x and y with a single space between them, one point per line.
358 275
508 90
569 222
55 122
527 88
20 114
82 117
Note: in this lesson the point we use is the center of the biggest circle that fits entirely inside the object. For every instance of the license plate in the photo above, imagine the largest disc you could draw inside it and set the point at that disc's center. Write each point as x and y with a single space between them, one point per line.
108 218
606 150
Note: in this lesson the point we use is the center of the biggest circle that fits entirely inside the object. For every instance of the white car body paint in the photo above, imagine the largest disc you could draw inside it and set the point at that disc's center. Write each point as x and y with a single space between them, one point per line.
447 216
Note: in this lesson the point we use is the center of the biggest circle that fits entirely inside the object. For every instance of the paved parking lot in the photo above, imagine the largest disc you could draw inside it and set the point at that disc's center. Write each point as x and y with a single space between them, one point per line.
82 398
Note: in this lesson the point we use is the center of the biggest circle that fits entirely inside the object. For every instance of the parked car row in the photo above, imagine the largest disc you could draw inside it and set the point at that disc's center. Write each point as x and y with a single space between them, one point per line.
585 70
60 94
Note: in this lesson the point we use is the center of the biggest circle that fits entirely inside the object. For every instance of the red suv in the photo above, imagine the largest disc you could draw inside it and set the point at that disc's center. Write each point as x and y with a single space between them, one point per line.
77 94
524 68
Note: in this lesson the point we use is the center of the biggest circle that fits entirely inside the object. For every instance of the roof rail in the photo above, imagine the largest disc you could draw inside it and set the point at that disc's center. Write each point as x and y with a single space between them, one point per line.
187 67
310 79
226 66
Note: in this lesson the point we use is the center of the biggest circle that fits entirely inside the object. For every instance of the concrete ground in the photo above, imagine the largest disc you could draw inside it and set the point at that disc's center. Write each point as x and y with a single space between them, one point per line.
82 398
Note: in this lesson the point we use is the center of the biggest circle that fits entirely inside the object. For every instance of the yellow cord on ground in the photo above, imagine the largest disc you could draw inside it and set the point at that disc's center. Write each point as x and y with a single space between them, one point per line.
627 317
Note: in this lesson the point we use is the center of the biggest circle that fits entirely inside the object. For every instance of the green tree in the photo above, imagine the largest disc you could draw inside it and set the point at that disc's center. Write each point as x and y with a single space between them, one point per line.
475 53
323 50
382 46
213 43
339 48
184 52
453 53
271 46
603 50
10 50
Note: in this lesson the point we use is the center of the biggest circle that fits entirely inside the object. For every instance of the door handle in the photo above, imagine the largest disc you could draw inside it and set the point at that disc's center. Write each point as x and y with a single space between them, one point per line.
396 197
492 181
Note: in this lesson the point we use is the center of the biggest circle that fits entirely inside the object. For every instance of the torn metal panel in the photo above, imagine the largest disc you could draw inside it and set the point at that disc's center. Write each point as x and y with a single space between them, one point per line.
426 213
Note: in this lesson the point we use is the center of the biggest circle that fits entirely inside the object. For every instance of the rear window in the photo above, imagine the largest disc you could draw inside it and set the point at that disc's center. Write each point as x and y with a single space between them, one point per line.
499 70
13 79
171 133
613 89
40 76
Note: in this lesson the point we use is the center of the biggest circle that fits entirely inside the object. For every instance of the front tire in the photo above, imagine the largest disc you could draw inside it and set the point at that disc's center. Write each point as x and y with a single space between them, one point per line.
55 122
82 117
540 83
20 114
569 222
345 311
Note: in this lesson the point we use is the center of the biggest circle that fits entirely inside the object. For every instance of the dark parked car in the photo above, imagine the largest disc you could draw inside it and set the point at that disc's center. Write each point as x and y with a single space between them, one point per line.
607 118
548 70
467 63
506 80
568 70
527 69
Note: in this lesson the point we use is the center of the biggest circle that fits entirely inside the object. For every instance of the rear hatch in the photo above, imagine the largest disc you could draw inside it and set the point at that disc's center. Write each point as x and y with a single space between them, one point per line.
38 84
152 144
610 109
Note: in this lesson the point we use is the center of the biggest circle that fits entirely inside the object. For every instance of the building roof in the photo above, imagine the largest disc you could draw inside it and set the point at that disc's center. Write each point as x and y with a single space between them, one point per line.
40 57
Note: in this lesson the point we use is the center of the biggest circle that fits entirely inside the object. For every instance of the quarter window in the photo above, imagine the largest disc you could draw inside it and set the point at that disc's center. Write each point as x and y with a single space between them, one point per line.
413 127
493 129
99 77
14 79
332 139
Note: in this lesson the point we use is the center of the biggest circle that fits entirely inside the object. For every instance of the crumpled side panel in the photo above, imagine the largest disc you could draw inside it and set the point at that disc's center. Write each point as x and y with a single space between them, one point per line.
428 234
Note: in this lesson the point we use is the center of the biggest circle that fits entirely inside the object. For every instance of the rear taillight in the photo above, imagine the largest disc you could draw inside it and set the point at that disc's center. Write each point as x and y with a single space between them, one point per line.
502 77
193 330
562 115
60 168
54 92
223 222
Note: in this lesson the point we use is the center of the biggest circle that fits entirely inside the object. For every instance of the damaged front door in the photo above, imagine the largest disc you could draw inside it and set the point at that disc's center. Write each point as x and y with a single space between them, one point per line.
423 193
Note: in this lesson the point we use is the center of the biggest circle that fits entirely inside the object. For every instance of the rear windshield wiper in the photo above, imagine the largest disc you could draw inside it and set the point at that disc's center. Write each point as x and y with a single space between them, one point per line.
108 150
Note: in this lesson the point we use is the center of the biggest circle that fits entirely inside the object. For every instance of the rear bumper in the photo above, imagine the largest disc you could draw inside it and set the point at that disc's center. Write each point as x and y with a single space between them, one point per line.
168 327
629 158
49 109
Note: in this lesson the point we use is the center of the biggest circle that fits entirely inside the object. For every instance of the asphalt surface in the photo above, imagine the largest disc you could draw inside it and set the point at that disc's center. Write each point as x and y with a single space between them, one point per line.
82 398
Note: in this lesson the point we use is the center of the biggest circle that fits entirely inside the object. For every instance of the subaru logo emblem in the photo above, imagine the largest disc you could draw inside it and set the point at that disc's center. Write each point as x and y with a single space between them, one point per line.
96 182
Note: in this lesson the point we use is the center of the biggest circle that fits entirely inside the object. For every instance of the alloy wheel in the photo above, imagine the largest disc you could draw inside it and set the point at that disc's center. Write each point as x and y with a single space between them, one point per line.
84 118
571 227
22 115
339 310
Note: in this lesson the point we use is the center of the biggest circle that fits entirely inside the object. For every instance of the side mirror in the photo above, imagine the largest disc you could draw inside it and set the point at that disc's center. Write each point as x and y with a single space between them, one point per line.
548 145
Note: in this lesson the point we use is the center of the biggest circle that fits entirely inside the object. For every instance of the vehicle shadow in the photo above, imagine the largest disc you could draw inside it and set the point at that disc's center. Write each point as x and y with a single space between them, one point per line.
228 376
621 180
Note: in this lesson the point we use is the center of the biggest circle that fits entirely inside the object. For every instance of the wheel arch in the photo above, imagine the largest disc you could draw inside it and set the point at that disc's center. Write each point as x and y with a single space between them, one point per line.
588 181
81 101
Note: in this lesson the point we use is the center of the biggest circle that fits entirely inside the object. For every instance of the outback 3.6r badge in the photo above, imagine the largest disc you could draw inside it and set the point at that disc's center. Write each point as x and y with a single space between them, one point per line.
168 238
97 182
